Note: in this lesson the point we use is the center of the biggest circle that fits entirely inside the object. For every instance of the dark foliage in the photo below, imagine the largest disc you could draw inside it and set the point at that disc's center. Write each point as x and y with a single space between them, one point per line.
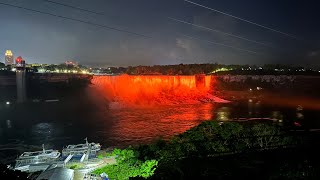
233 150
6 173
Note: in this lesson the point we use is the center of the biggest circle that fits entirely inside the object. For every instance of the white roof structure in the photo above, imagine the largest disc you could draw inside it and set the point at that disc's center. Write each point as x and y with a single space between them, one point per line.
58 173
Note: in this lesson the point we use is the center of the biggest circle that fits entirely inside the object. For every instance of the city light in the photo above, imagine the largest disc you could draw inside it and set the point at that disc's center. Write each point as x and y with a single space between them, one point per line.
8 53
41 70
221 70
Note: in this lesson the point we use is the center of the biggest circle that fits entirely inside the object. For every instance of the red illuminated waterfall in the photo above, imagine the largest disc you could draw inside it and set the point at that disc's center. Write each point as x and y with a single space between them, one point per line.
155 89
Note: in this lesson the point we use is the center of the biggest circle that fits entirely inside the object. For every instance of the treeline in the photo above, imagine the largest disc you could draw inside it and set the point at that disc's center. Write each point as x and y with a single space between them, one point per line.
181 69
223 151
60 68
212 138
191 69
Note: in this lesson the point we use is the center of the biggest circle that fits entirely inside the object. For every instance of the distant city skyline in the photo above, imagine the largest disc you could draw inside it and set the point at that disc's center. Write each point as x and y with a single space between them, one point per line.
9 59
152 32
9 56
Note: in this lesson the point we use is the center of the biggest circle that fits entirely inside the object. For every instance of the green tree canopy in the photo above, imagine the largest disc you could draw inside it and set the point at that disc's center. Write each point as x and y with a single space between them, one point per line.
128 165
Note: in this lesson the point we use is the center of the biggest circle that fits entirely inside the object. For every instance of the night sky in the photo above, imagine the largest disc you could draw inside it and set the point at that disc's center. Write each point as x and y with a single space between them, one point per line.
47 39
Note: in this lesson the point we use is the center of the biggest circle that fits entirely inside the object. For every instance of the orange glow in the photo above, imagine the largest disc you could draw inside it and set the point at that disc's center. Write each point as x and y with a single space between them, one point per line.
161 122
155 89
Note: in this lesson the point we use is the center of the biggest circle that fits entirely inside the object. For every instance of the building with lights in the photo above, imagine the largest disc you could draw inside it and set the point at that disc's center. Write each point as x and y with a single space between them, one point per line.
9 59
20 63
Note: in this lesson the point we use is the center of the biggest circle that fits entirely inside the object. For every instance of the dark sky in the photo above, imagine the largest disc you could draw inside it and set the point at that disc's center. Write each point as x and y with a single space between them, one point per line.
46 39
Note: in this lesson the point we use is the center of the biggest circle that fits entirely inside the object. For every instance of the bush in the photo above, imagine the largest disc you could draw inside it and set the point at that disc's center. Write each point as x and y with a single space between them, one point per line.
128 165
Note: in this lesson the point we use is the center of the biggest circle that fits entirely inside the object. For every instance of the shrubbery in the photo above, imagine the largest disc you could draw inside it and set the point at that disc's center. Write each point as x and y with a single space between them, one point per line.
208 139
211 138
128 165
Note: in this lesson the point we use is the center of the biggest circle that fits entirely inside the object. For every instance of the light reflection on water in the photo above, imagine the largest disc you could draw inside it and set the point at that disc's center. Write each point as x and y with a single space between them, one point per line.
9 124
70 121
223 114
42 130
144 125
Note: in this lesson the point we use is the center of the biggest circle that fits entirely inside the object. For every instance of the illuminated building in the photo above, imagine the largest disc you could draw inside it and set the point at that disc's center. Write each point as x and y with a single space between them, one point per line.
20 63
9 57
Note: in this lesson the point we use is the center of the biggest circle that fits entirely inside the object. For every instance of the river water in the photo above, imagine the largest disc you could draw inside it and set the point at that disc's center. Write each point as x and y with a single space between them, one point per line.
85 113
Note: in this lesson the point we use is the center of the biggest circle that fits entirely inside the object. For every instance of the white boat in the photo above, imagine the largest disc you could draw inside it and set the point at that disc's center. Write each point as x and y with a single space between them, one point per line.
37 157
79 150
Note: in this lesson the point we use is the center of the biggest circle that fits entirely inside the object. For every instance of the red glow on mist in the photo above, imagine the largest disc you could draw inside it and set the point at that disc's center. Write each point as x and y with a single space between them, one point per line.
155 89
161 121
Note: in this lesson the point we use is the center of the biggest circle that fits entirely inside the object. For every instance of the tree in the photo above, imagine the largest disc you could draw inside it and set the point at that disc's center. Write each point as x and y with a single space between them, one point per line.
128 165
147 168
2 65
50 68
6 173
62 67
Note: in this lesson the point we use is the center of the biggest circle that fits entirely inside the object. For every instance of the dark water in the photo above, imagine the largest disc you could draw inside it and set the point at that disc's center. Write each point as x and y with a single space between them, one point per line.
84 113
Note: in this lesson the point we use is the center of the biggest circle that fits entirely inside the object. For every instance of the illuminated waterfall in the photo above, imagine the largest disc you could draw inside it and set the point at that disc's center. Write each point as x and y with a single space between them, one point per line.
155 89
